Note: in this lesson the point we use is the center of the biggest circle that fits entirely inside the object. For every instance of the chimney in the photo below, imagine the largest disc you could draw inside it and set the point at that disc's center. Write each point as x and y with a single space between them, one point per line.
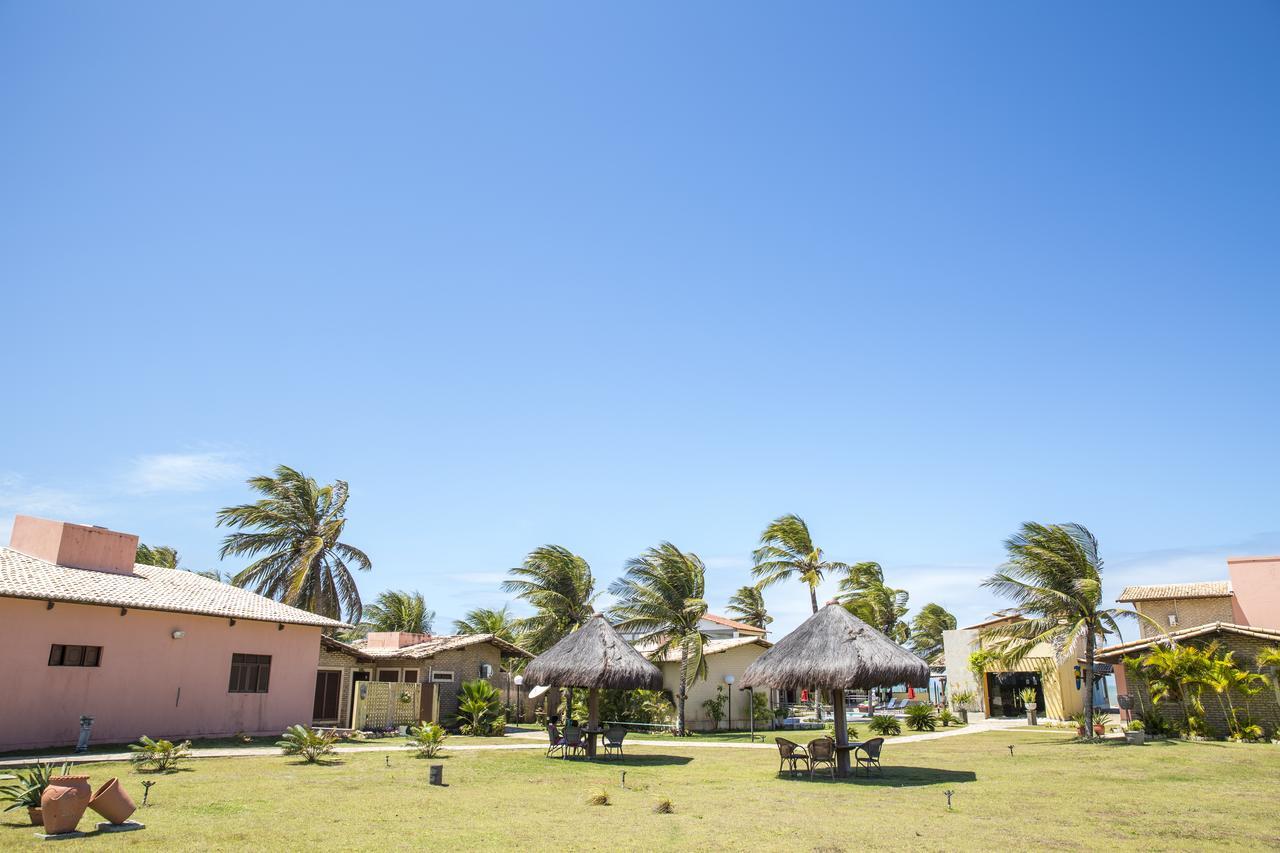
393 639
1255 590
77 546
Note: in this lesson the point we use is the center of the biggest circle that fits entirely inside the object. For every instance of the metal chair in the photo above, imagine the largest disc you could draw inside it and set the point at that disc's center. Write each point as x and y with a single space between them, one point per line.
790 752
612 740
822 751
868 755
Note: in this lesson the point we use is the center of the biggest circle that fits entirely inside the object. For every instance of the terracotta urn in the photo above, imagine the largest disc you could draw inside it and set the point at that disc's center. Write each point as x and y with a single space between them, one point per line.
112 801
80 783
61 808
37 816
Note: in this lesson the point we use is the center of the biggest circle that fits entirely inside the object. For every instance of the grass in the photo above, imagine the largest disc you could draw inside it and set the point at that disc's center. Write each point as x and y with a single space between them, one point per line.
1051 793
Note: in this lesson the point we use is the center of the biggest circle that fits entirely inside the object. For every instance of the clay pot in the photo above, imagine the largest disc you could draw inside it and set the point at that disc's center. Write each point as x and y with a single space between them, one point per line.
113 802
80 783
37 817
62 807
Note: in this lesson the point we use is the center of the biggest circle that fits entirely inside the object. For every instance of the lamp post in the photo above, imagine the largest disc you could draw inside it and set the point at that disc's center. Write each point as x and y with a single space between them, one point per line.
519 680
728 679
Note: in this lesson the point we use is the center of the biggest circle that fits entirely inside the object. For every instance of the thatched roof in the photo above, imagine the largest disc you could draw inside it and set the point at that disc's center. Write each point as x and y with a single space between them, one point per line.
835 649
595 655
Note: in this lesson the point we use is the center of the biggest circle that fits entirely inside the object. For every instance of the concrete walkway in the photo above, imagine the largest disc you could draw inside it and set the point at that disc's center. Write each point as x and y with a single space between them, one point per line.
251 751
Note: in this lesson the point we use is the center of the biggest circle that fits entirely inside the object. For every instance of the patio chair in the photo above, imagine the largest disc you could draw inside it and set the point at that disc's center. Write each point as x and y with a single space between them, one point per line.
612 739
822 751
790 752
556 741
868 755
573 742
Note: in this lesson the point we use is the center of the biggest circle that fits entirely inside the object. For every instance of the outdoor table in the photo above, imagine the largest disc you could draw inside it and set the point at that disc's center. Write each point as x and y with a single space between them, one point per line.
853 744
591 740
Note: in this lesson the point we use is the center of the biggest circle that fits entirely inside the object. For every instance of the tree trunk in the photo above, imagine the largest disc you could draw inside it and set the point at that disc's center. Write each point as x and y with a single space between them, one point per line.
1089 645
680 695
817 694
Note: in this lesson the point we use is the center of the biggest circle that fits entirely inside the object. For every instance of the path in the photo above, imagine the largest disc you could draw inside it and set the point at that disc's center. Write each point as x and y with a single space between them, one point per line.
975 728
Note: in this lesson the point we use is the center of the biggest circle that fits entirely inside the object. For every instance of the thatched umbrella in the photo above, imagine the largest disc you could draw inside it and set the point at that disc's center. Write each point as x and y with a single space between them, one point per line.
833 649
594 656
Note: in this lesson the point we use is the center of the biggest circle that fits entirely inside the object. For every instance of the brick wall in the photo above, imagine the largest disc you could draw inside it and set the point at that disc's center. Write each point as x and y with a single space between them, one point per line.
465 664
1190 612
344 662
1264 707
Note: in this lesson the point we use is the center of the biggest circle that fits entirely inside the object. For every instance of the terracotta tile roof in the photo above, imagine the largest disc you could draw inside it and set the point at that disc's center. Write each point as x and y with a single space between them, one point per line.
993 619
715 647
1269 634
433 646
148 588
1207 589
730 623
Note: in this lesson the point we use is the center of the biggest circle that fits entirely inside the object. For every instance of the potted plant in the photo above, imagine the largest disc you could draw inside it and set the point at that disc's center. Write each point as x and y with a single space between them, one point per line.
1079 720
1029 701
27 791
1136 733
1100 723
961 700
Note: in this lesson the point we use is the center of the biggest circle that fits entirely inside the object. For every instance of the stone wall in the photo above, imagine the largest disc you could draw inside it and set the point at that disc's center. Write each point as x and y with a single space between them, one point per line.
1190 612
1264 707
465 664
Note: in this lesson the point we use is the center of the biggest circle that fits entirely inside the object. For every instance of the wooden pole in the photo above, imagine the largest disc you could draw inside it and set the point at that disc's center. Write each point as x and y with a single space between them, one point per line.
593 720
842 732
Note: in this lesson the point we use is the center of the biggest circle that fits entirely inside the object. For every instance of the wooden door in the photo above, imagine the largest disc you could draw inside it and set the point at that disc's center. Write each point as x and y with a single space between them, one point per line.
328 688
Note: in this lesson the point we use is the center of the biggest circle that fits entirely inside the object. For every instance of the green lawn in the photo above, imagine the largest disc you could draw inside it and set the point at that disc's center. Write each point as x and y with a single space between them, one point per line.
1051 793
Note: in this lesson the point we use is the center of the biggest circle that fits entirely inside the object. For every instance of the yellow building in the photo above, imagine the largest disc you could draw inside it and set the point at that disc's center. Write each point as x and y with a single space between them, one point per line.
1060 693
726 660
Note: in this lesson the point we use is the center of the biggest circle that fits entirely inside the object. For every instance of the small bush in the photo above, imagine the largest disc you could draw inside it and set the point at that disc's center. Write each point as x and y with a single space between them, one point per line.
160 754
665 806
947 718
428 738
309 744
599 798
921 718
885 725
479 708
1136 726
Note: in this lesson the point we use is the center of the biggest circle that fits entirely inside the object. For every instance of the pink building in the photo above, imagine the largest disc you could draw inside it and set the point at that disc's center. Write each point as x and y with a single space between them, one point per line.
141 649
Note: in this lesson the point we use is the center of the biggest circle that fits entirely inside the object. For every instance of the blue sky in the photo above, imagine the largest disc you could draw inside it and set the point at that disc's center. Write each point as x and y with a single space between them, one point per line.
558 273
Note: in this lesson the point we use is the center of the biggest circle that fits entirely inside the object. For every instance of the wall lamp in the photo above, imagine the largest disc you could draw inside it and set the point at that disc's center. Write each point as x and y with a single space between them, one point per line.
178 635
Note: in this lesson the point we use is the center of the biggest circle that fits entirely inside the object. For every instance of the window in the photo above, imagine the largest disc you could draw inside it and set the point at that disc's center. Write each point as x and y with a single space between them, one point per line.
388 675
410 676
249 673
441 675
74 655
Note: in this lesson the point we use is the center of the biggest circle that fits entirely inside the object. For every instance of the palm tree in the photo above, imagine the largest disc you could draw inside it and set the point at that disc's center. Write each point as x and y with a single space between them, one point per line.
787 551
1054 577
1176 673
215 575
747 606
483 620
399 610
297 526
661 600
926 630
1224 676
559 586
164 556
864 593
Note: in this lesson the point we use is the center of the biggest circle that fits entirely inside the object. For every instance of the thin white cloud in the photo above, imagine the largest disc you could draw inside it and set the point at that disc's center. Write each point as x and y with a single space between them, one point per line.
20 497
182 472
